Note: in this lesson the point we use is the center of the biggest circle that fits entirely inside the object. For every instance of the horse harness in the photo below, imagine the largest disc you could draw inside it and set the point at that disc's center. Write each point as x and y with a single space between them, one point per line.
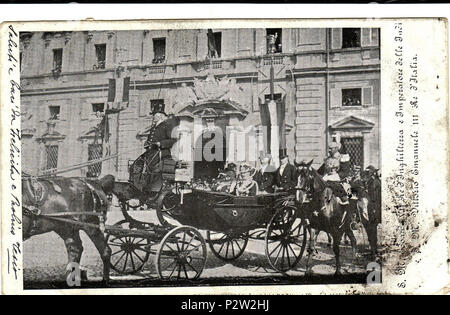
37 193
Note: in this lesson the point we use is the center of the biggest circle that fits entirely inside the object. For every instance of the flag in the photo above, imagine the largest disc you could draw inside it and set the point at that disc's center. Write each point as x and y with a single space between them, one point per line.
212 49
118 93
281 116
265 123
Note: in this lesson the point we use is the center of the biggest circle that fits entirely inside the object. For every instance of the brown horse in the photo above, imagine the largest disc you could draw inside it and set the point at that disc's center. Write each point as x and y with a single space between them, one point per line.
51 199
369 205
323 211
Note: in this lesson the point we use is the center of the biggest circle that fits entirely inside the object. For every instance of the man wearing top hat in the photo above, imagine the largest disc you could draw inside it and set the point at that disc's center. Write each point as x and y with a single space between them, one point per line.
265 176
159 143
286 175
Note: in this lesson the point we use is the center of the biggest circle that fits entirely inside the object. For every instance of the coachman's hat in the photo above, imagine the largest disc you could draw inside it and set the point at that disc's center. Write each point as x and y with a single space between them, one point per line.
157 108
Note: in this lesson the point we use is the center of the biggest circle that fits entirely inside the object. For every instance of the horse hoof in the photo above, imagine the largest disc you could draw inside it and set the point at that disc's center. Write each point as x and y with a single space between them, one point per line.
338 273
309 273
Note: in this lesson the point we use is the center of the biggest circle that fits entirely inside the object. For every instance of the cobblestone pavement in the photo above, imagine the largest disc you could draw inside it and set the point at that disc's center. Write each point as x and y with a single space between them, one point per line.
45 259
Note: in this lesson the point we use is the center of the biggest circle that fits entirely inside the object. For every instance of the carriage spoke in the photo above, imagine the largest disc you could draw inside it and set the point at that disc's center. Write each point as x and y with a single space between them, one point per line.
237 243
228 247
274 249
278 255
183 241
125 264
293 252
140 258
118 261
185 272
195 248
196 272
132 261
118 252
113 244
288 257
173 271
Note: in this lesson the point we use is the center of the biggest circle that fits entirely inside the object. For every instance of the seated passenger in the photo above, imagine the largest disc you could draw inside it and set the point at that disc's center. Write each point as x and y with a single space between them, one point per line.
246 185
265 176
225 179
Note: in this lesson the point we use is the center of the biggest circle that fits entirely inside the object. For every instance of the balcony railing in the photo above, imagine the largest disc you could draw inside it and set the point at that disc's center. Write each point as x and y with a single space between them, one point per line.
273 60
156 69
214 64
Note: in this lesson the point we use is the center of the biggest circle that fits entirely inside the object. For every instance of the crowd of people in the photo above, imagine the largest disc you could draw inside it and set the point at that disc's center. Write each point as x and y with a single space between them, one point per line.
242 180
247 180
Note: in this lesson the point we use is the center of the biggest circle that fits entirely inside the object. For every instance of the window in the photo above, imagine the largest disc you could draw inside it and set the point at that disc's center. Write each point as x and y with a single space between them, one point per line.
218 42
351 37
276 97
100 53
98 107
57 60
354 147
54 112
51 156
274 40
95 151
351 97
159 50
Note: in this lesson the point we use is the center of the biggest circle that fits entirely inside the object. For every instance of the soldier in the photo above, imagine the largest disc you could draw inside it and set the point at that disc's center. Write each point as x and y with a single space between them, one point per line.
331 165
158 145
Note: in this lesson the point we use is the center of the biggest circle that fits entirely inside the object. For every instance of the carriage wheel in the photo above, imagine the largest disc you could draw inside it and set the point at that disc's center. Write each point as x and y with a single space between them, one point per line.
227 246
285 239
167 203
129 254
181 255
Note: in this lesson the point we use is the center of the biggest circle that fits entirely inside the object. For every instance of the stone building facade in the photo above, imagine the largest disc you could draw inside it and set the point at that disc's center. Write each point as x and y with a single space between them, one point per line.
329 80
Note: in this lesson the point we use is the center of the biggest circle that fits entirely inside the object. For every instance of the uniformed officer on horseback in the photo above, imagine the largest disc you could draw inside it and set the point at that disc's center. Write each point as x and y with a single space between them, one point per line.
335 169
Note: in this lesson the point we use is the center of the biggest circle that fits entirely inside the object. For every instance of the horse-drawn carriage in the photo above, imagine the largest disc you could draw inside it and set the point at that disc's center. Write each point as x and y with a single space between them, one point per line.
190 219
227 221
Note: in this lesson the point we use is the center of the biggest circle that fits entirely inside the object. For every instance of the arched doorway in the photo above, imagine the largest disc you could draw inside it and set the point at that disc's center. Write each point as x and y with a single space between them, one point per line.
210 149
207 123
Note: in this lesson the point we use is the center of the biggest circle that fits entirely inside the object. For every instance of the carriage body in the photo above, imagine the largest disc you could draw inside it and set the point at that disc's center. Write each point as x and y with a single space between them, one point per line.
222 212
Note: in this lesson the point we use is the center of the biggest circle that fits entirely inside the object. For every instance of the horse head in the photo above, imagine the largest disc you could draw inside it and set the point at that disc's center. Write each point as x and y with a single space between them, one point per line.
305 176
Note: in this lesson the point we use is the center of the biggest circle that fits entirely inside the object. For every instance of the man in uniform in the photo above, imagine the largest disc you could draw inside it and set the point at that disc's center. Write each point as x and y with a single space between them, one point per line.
158 145
335 166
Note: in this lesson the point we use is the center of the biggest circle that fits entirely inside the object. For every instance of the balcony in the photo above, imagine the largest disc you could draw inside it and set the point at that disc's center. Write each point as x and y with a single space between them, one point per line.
273 60
213 64
156 69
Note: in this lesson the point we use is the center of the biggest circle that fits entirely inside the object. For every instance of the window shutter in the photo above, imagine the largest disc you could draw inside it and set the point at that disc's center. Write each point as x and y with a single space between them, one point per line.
336 38
367 96
335 98
365 37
